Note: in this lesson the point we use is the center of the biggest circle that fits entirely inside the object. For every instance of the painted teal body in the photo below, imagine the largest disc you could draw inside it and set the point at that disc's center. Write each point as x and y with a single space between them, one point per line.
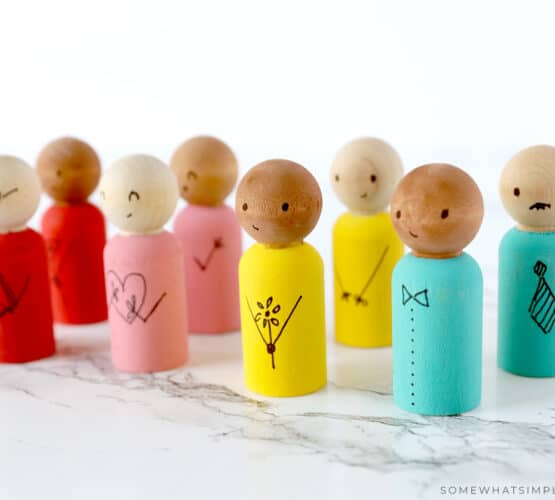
437 334
526 342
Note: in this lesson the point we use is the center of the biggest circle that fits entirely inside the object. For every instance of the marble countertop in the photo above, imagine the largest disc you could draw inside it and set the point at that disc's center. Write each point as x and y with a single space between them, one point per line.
71 427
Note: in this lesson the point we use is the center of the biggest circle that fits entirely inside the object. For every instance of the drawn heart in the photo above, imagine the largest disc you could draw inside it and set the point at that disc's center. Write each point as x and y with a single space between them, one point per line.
10 298
127 295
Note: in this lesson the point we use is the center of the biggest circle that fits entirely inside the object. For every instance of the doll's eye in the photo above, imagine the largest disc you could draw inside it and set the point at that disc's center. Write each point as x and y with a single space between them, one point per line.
516 191
373 178
285 207
59 173
245 207
133 194
445 213
398 214
336 178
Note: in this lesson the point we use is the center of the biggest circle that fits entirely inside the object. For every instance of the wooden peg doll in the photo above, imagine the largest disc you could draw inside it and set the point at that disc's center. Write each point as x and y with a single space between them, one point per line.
365 246
144 266
437 210
526 342
281 281
208 230
26 332
74 231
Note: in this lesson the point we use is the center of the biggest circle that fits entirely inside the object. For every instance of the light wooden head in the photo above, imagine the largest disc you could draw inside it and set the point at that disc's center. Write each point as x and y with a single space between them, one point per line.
138 194
19 194
364 174
527 188
278 202
69 170
206 170
437 210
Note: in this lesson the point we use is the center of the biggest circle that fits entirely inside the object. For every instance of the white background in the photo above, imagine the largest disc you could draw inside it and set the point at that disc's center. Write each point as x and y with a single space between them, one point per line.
467 82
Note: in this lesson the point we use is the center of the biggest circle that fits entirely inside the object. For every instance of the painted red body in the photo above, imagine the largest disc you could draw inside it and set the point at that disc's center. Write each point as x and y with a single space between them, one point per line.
26 331
75 237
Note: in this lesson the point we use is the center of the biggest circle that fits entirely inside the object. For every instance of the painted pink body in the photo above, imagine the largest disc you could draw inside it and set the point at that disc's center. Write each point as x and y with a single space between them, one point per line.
211 240
146 302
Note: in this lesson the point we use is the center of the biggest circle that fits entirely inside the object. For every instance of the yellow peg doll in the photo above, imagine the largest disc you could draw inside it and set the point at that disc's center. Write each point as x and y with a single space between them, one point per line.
281 281
365 246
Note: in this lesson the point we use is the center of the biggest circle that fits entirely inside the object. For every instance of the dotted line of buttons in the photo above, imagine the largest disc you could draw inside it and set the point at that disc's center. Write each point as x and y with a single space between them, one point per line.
412 356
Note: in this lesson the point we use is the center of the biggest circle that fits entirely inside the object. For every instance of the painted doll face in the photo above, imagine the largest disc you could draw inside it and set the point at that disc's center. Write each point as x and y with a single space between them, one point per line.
437 210
278 202
138 194
206 170
19 193
365 173
527 187
69 170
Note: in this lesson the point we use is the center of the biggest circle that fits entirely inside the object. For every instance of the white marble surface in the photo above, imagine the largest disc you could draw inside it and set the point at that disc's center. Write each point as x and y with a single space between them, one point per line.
72 428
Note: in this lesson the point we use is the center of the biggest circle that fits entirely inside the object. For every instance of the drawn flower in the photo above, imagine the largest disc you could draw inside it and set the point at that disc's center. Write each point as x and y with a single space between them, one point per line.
267 313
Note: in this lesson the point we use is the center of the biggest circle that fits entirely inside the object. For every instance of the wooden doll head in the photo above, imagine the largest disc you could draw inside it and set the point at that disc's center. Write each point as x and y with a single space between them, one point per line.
206 170
527 188
278 202
19 194
138 194
69 170
365 173
437 210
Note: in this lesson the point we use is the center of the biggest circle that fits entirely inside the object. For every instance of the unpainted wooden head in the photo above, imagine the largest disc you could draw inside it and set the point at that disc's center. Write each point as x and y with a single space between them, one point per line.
19 194
69 170
437 210
138 194
278 202
206 169
527 188
364 174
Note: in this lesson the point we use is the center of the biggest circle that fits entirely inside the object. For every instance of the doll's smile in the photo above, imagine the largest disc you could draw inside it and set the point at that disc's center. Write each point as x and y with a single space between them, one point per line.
255 228
129 215
7 193
413 234
540 205
364 195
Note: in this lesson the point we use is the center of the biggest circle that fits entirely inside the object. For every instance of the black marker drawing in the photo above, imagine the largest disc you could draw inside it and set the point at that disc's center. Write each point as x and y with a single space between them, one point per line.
8 193
359 298
12 299
420 297
542 307
217 243
344 294
267 314
540 205
55 246
128 296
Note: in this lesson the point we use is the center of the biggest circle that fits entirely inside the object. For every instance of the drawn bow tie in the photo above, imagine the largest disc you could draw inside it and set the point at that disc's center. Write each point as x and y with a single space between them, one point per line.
420 297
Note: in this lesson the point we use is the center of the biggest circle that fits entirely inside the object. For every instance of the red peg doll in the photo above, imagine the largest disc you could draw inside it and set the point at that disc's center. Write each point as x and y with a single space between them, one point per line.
26 330
74 230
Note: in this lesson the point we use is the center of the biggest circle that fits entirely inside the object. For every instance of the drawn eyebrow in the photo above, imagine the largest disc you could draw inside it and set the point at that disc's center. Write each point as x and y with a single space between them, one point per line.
191 175
135 194
11 191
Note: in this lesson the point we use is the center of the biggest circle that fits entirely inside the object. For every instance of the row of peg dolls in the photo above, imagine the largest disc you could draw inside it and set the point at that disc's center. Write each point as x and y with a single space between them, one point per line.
154 286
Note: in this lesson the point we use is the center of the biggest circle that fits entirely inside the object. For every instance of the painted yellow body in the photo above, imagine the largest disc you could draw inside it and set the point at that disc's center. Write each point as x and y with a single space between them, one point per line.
282 310
365 251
